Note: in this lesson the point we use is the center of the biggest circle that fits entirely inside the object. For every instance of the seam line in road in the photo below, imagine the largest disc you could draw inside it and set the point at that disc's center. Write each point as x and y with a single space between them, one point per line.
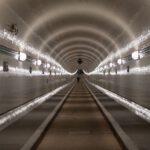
123 137
40 130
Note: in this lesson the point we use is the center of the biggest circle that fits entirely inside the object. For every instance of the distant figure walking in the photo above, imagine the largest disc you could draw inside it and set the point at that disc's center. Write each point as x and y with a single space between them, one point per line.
78 79
79 74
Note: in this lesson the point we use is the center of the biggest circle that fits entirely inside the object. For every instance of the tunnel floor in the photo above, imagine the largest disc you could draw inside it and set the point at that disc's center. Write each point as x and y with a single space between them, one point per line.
79 125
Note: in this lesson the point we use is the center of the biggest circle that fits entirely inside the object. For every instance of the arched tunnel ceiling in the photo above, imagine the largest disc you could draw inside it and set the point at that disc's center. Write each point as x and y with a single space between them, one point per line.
68 30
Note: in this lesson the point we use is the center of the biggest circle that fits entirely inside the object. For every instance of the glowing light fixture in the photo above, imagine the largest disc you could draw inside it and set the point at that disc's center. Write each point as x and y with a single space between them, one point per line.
48 65
111 64
45 65
101 68
53 67
119 61
4 34
106 67
34 62
39 62
21 56
136 55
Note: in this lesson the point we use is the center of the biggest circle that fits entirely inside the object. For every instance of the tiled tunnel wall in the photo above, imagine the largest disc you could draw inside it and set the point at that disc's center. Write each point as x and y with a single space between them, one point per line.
133 85
17 88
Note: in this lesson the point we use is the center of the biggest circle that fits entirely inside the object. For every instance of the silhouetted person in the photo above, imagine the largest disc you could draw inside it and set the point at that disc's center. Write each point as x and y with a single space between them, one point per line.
78 79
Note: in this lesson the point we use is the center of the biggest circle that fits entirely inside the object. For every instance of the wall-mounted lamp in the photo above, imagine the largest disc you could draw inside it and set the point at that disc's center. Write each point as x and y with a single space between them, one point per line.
21 56
53 67
111 65
136 55
48 65
119 61
106 67
100 69
45 65
39 62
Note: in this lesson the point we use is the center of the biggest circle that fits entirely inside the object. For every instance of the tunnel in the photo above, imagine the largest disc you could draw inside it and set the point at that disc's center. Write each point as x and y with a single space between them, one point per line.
74 74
